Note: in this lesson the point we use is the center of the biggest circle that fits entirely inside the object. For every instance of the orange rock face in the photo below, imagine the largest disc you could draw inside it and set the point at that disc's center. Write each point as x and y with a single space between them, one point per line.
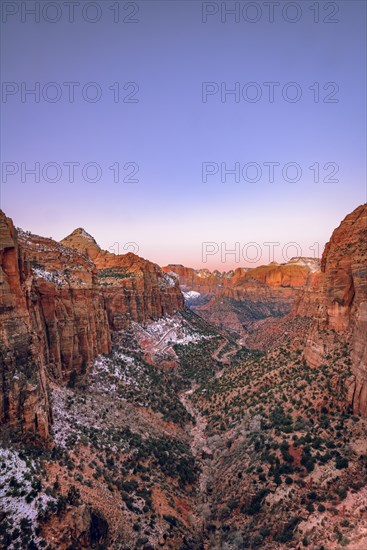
199 280
66 305
23 392
58 305
338 301
53 322
292 274
236 299
134 289
272 284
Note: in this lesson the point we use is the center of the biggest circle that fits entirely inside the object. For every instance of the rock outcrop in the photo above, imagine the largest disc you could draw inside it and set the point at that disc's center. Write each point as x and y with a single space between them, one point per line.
134 289
236 299
58 306
23 386
66 305
203 281
337 299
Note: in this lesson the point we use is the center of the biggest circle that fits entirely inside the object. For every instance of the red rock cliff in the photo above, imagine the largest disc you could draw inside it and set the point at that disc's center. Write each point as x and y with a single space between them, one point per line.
134 289
23 386
238 298
53 322
338 302
66 304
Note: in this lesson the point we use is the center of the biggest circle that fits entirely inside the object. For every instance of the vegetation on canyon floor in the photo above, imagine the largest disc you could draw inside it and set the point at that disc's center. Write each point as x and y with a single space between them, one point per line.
278 461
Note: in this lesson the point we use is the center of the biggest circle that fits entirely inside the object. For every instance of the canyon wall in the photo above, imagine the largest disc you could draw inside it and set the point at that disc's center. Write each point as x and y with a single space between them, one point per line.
59 303
53 322
66 306
291 274
337 301
234 300
23 389
58 306
134 289
203 281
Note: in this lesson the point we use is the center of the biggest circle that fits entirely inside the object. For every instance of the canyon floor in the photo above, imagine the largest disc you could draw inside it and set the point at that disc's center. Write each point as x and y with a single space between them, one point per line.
183 438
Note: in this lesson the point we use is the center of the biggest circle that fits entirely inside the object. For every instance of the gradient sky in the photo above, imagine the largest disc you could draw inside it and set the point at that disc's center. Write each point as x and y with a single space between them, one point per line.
170 132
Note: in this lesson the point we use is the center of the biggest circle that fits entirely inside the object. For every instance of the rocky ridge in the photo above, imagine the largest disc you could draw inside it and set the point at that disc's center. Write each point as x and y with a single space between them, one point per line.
134 289
181 437
234 300
338 302
59 303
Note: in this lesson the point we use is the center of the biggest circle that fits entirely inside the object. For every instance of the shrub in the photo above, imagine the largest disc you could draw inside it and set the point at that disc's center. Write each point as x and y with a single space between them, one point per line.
255 504
170 519
73 496
287 534
61 504
307 459
72 379
341 462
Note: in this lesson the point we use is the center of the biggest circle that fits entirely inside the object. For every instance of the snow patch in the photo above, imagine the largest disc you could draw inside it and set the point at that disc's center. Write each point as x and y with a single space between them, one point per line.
167 280
203 273
191 295
312 263
15 479
160 335
56 277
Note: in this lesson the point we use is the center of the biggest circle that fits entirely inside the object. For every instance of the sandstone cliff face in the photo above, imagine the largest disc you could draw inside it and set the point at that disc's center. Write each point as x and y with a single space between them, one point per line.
23 391
58 305
199 280
53 322
292 274
66 305
271 288
236 299
338 301
134 289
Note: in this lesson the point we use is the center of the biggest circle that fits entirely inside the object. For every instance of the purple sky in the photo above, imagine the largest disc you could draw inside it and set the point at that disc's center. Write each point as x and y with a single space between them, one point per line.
170 132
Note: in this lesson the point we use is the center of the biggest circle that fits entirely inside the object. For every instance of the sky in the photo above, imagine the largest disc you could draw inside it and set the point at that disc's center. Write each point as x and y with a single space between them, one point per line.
183 131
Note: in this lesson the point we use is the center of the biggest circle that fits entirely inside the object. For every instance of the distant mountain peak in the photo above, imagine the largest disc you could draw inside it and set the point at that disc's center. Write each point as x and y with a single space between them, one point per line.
80 231
312 263
82 241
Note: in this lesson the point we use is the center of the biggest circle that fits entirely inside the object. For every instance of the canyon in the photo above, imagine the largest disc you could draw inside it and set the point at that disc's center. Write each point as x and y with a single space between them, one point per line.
235 299
146 407
59 305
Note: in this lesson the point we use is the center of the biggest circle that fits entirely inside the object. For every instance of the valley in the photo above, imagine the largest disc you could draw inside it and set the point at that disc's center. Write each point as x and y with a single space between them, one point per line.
131 420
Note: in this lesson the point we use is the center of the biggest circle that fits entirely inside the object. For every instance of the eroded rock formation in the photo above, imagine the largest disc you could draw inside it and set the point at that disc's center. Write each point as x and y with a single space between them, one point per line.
338 301
23 395
58 305
134 289
236 299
